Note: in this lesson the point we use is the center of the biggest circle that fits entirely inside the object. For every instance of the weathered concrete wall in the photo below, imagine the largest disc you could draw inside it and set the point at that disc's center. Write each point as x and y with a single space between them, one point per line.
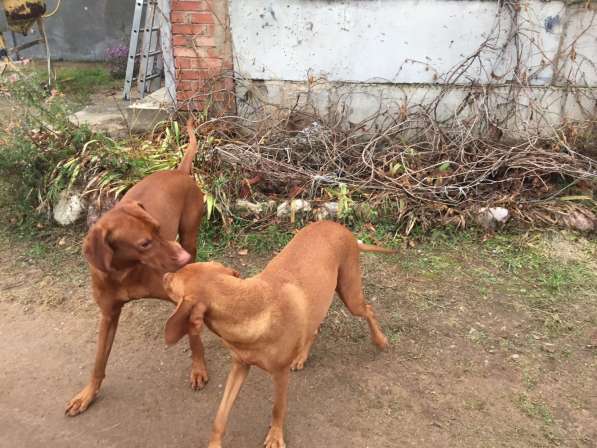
81 30
398 41
371 56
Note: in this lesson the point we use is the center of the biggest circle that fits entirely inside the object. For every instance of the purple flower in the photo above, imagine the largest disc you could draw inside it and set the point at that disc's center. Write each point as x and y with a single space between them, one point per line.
117 52
117 57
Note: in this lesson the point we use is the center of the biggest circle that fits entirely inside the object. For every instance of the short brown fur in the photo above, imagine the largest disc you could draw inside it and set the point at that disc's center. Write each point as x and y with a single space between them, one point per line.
271 320
131 247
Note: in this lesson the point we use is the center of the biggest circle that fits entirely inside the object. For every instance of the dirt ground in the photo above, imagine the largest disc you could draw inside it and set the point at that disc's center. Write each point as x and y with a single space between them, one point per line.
484 354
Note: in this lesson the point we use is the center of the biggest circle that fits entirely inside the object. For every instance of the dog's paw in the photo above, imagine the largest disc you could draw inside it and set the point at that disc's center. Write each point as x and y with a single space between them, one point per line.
81 401
382 342
298 364
299 361
199 378
275 438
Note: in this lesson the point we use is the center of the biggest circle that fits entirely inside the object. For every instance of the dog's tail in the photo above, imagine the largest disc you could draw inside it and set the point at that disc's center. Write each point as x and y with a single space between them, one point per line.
371 248
186 165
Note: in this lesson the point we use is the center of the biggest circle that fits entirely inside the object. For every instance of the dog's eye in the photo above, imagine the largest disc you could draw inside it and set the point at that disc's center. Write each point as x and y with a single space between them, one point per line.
146 244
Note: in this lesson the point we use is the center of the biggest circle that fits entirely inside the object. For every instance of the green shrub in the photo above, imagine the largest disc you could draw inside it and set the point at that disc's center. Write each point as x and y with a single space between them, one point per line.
42 153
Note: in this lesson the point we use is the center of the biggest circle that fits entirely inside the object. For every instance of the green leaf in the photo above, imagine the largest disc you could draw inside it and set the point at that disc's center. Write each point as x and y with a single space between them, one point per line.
396 168
576 198
444 167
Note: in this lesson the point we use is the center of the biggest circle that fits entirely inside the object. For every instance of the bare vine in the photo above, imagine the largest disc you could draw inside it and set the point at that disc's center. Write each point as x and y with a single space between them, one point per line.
499 145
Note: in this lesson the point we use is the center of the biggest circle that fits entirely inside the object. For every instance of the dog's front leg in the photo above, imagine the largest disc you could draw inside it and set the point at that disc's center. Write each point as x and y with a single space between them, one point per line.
198 369
236 378
107 331
275 437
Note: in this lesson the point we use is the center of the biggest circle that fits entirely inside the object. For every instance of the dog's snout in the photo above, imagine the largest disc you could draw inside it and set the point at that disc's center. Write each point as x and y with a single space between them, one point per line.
183 257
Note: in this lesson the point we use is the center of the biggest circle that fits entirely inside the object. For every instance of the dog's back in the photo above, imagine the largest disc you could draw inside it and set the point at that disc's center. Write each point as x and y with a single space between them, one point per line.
313 248
312 262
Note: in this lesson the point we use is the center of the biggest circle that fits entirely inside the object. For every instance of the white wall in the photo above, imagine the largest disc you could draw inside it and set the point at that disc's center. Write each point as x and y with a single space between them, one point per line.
401 41
388 47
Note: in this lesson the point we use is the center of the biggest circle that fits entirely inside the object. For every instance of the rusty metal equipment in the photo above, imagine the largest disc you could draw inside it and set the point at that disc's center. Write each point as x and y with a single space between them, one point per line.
21 15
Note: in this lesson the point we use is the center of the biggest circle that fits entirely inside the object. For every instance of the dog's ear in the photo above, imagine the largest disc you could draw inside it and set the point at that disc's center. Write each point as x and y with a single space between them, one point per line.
187 317
97 250
136 209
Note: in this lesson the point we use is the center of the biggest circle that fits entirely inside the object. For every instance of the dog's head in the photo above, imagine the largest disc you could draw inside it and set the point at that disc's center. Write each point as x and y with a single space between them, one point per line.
126 235
189 287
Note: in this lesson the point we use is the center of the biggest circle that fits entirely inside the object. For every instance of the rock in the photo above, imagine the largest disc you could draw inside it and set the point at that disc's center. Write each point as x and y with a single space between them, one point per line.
247 207
103 118
580 221
515 357
286 209
331 208
300 205
283 210
493 217
328 210
69 209
321 214
549 348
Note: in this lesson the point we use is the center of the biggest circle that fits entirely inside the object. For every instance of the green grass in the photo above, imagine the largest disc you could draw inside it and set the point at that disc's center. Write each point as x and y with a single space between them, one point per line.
529 379
215 240
272 239
515 263
79 83
549 278
534 409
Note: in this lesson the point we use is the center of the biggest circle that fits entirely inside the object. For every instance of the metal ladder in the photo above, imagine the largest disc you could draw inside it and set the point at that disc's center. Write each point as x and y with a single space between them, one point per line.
149 71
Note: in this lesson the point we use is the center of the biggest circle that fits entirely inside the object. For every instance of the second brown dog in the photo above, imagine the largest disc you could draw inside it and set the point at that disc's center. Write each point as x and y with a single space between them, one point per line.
271 320
131 247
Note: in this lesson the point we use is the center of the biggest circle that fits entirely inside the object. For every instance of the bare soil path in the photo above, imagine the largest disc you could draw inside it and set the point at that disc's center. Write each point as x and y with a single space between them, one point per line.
474 363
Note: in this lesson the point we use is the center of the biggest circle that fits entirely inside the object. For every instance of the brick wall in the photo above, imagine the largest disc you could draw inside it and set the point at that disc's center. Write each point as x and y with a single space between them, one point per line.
202 54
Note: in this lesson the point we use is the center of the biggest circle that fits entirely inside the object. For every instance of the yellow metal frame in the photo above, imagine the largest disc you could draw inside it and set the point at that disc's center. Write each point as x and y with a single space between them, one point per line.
22 14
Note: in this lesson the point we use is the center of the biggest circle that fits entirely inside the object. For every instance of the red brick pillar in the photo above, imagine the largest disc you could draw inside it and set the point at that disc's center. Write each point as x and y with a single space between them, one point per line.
203 55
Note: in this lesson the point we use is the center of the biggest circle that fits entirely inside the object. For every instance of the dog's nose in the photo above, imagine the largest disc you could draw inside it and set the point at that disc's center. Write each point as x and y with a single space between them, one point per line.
183 257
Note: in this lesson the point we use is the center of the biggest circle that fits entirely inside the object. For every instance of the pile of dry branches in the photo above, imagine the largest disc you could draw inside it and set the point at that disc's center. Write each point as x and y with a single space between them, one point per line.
441 171
437 164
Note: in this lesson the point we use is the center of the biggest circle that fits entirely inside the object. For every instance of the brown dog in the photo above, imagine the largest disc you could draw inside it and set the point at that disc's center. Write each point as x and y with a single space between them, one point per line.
131 247
271 320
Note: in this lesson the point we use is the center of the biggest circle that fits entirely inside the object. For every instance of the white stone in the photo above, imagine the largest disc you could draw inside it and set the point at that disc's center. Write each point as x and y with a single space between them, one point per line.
295 206
246 206
492 216
283 210
500 214
69 209
331 208
579 221
300 205
321 214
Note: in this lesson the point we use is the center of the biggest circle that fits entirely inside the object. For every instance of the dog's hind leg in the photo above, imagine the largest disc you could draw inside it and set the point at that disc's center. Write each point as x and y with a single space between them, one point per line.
350 290
190 221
